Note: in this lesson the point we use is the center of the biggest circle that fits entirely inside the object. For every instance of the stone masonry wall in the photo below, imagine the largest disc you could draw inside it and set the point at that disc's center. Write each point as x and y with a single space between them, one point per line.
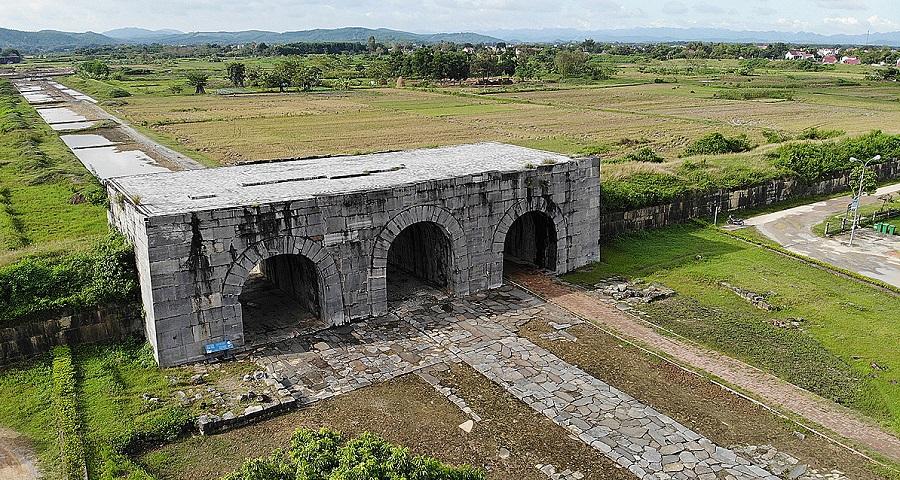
193 265
112 322
703 206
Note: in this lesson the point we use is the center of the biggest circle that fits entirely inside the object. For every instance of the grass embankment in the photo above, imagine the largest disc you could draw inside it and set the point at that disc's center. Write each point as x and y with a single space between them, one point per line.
90 407
50 203
838 351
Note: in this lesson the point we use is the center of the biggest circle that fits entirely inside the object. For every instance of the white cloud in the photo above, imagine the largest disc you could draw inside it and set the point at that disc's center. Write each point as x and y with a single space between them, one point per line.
675 8
877 22
841 20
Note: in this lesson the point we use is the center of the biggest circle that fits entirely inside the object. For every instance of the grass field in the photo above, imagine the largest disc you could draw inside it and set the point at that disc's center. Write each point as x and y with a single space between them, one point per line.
38 178
839 350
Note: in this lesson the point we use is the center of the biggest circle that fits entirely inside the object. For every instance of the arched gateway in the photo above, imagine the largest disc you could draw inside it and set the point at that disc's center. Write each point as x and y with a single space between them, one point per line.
335 235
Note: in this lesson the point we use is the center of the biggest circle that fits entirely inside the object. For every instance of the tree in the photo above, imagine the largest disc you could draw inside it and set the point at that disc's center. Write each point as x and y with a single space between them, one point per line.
568 63
236 73
371 45
198 80
869 180
306 77
93 69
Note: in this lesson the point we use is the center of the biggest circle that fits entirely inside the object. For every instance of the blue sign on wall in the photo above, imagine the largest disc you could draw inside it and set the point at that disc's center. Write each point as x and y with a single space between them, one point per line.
219 347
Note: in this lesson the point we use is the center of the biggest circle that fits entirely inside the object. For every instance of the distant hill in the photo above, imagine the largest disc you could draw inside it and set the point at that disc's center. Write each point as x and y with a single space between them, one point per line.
655 35
346 34
132 33
53 40
50 40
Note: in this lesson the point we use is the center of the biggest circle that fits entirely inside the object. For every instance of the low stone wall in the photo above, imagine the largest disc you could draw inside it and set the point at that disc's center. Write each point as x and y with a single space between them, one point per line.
704 205
113 322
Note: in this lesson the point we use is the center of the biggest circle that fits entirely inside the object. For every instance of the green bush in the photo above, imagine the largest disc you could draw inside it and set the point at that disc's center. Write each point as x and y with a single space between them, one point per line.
119 93
67 422
813 133
717 144
325 455
36 287
644 154
754 93
640 190
814 161
775 136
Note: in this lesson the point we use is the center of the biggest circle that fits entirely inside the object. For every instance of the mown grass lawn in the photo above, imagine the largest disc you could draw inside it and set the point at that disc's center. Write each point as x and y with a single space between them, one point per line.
846 346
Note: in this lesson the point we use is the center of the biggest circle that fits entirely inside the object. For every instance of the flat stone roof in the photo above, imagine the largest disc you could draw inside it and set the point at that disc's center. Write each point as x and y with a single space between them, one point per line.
262 183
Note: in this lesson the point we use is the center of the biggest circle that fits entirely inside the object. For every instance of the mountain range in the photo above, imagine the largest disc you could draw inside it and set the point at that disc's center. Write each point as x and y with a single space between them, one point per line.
663 34
55 40
46 40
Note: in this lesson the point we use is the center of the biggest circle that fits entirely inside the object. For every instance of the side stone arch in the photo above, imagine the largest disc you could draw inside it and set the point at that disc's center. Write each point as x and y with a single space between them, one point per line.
533 204
449 225
331 295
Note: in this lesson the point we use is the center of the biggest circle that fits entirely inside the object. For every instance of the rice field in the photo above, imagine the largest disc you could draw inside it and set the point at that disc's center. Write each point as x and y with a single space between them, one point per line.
645 105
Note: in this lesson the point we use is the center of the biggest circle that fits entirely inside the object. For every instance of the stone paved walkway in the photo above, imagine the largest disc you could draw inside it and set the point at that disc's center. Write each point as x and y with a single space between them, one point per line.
772 390
480 331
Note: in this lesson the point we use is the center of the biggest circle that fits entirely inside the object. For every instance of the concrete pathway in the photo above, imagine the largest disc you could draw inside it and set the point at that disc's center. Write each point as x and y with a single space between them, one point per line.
65 109
873 255
480 331
773 391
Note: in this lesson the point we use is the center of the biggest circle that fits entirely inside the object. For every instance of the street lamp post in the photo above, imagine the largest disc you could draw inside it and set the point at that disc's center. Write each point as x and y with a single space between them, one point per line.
862 173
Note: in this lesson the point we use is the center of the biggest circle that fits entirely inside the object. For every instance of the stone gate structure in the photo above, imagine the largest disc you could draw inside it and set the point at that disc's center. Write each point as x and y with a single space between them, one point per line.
329 231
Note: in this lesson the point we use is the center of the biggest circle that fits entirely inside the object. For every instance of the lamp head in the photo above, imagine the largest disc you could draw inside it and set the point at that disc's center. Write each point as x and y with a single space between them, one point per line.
876 158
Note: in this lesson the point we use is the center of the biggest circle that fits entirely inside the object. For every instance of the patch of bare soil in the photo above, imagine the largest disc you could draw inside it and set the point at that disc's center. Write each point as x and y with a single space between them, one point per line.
17 459
508 442
723 417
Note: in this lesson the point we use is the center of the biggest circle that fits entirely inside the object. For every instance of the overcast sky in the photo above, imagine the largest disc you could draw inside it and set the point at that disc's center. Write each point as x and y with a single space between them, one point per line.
820 16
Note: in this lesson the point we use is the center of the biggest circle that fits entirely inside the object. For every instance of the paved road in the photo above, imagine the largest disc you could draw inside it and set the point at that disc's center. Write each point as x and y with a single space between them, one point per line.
600 310
873 255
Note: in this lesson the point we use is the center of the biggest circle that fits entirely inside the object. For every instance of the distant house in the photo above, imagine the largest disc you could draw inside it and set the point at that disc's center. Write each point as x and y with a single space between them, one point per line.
824 52
850 60
830 60
798 55
898 63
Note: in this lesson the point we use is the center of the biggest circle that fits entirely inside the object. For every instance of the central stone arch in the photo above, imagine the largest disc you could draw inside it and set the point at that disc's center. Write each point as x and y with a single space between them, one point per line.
449 226
330 290
520 208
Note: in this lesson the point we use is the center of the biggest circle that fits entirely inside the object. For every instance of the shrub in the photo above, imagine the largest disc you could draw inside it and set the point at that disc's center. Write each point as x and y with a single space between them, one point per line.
644 154
119 93
67 423
775 136
813 161
717 144
754 93
813 133
639 190
324 454
36 287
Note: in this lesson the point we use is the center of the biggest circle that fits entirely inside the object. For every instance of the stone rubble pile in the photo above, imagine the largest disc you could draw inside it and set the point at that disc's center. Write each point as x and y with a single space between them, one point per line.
228 402
550 472
759 301
633 292
784 465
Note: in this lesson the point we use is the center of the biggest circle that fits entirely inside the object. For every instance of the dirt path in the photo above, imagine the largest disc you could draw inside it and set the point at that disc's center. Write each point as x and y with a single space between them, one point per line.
17 460
768 388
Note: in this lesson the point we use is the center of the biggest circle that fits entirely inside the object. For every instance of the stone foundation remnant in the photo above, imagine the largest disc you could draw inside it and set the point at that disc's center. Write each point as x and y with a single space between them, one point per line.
330 232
